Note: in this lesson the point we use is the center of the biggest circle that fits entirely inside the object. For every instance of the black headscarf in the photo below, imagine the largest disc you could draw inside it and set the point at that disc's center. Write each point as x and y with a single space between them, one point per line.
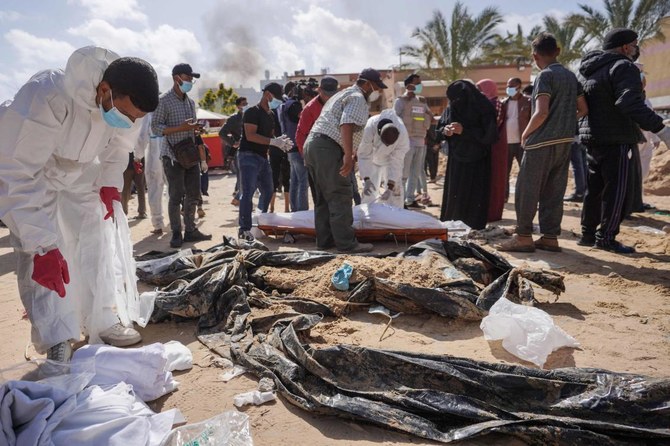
468 104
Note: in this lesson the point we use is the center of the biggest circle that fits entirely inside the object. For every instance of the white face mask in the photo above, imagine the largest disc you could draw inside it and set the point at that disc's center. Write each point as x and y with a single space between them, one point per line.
373 96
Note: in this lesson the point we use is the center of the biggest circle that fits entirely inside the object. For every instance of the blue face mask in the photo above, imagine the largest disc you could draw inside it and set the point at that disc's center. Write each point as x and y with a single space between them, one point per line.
114 118
185 86
511 91
274 103
418 88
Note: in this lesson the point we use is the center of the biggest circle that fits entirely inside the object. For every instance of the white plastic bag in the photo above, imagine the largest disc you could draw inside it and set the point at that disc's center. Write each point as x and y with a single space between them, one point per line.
155 266
230 428
526 332
255 397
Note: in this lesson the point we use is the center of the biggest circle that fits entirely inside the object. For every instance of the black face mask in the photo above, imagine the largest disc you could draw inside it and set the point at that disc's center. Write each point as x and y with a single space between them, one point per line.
636 54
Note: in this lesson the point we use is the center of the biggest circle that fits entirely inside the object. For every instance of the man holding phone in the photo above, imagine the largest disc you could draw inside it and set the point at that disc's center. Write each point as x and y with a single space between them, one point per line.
175 120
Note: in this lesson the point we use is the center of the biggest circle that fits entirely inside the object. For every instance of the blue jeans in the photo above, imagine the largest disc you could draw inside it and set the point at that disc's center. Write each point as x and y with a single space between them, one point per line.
578 162
299 182
413 170
254 173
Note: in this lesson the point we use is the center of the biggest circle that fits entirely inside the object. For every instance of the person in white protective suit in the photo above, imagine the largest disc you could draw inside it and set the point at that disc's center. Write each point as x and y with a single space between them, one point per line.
381 156
154 174
64 144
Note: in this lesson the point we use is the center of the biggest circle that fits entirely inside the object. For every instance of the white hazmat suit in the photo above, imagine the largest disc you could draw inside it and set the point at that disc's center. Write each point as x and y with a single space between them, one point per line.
56 152
382 163
154 174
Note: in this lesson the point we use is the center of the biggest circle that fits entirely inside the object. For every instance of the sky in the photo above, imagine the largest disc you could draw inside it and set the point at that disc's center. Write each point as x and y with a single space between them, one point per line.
230 41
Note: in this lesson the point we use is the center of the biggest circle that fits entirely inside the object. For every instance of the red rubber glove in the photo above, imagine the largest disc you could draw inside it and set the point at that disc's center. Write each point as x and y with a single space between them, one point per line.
107 195
138 167
50 271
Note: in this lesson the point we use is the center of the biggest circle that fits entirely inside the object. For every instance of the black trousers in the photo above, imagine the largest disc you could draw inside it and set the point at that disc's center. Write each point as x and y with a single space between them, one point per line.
609 168
432 160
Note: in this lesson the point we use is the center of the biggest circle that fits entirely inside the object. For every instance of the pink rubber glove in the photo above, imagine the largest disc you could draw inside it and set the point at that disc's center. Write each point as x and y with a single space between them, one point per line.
107 195
50 271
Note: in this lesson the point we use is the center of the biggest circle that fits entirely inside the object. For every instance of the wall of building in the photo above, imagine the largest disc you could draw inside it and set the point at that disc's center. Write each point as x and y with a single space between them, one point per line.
655 55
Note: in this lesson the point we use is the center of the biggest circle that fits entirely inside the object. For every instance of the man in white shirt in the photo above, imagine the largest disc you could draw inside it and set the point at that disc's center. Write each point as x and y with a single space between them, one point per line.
517 112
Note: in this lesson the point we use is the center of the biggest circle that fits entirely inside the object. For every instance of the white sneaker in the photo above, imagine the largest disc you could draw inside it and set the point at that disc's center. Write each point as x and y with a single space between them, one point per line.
61 352
119 336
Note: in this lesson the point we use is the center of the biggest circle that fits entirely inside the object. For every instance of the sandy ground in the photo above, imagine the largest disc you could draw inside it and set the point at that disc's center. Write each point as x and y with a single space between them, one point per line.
617 307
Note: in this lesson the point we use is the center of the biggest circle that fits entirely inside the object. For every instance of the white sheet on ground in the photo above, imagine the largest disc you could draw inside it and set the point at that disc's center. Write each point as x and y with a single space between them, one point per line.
366 216
147 369
66 410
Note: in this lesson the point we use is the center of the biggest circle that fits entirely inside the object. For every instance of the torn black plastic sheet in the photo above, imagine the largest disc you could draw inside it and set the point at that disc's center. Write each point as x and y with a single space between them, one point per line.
444 398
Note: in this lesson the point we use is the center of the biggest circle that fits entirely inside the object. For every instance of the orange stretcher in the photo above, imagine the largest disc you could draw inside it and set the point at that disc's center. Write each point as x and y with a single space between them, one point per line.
366 235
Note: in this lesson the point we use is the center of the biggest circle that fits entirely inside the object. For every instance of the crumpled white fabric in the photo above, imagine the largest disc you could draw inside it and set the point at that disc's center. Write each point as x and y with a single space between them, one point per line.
148 369
71 412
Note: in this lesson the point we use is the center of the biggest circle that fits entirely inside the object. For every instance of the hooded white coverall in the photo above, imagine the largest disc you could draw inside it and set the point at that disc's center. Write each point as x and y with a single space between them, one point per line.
380 162
56 152
154 173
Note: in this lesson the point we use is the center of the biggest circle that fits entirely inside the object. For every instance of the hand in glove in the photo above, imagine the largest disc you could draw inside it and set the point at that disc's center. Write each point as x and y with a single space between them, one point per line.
386 195
107 195
137 164
203 166
664 134
50 271
283 142
368 187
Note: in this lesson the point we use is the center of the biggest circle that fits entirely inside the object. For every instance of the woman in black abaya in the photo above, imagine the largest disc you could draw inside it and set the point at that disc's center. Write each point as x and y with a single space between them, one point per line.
469 125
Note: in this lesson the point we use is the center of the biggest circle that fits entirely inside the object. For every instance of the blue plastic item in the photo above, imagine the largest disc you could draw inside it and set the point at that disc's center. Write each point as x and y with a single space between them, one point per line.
341 277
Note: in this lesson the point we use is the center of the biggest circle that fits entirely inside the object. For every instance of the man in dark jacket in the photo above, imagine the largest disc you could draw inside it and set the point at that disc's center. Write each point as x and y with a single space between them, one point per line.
613 91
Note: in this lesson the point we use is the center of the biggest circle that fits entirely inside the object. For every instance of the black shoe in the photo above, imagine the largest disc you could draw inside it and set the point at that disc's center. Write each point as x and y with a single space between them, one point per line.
614 246
587 240
176 240
576 198
196 236
415 205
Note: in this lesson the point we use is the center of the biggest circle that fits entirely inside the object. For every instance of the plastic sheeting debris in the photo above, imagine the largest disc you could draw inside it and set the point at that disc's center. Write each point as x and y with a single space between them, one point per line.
526 332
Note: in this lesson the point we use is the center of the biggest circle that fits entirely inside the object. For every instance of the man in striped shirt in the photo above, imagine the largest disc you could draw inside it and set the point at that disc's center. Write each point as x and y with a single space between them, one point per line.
329 157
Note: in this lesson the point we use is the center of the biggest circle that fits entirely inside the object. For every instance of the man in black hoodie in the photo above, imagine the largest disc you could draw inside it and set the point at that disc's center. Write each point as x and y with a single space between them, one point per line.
613 91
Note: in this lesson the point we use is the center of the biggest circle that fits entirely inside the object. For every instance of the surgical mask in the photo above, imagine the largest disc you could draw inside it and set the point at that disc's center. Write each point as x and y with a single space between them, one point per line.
641 76
113 117
185 86
274 103
418 88
373 96
511 91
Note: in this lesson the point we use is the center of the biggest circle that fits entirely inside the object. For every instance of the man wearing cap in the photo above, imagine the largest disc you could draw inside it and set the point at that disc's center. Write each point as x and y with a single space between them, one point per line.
617 112
258 134
417 117
327 88
381 156
175 120
329 157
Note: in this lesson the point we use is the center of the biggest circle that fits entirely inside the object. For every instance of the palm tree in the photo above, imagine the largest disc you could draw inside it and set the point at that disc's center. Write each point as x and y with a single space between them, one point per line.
450 48
569 37
509 49
644 18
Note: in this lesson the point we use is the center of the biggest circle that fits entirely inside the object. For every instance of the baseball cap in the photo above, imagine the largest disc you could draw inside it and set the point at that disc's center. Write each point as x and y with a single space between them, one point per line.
372 75
274 88
184 68
329 85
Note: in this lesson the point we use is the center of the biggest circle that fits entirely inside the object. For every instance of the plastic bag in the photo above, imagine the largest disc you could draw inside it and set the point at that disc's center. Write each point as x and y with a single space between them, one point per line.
230 428
156 266
255 397
526 332
341 277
